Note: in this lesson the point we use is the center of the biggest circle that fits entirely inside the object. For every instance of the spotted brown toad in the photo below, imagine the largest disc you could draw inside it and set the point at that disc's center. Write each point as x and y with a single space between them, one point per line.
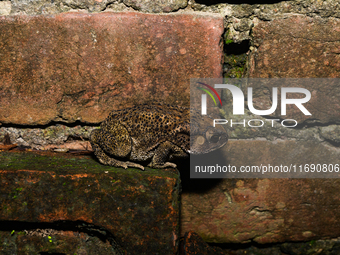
153 135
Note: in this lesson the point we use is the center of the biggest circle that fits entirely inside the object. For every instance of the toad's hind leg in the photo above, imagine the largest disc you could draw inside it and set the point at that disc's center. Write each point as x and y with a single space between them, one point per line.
109 144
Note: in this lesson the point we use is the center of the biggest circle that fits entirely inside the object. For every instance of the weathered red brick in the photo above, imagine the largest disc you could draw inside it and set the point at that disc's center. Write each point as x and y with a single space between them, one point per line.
299 47
78 66
39 241
266 210
140 209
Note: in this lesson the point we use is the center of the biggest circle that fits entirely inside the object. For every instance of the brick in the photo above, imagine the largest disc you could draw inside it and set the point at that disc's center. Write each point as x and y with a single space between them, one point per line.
265 210
299 47
77 66
139 209
50 241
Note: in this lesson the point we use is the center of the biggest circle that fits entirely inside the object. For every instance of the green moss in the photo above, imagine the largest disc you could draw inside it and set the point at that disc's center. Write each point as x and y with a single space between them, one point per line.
15 193
62 163
235 65
311 243
228 41
235 58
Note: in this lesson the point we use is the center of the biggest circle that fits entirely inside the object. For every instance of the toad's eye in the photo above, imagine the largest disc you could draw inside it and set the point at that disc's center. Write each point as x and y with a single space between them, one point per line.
214 138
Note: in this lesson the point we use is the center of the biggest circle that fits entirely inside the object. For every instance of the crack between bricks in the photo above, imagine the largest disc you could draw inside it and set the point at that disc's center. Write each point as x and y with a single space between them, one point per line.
108 4
50 124
44 228
162 12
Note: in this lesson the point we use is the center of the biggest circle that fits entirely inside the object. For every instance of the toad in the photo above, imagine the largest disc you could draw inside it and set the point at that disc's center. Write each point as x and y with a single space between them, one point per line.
154 135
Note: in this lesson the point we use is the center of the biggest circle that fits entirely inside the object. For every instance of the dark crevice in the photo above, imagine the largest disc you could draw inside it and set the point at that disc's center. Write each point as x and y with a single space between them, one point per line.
75 226
258 209
51 253
75 6
71 138
235 59
50 124
333 143
313 123
130 6
239 246
251 2
156 12
237 48
107 5
191 185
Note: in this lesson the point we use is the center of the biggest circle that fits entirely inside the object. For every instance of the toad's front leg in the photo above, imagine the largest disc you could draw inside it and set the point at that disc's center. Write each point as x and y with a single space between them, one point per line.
162 153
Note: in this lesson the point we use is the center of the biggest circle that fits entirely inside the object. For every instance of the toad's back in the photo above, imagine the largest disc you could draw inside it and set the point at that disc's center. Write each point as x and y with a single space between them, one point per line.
154 119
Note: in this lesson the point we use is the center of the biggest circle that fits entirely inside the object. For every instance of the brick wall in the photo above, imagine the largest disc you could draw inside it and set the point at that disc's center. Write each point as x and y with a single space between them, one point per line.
64 65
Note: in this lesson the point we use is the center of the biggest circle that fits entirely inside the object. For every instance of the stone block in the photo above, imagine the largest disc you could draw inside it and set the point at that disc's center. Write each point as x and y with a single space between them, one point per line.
77 66
140 210
49 241
299 47
5 7
265 210
156 6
